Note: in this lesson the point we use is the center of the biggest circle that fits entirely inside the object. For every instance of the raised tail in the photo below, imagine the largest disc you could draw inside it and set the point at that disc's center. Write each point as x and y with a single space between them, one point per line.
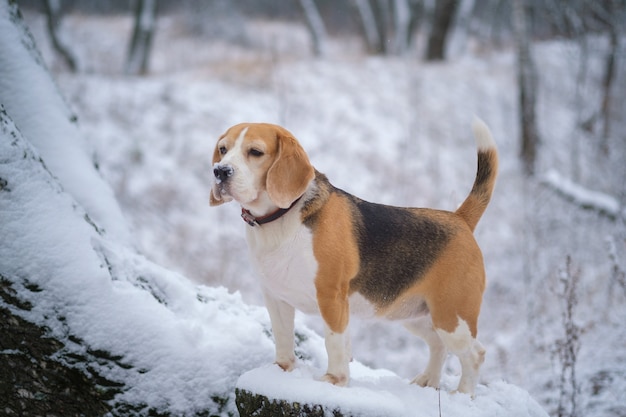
476 202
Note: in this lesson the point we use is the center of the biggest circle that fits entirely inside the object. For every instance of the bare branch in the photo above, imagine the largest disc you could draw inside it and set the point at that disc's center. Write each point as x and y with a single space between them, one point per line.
584 198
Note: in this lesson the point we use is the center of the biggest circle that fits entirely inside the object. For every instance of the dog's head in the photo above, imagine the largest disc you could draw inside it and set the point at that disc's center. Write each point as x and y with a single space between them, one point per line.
259 165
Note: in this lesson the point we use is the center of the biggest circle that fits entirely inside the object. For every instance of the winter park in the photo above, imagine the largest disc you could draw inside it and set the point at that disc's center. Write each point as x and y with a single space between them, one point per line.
123 292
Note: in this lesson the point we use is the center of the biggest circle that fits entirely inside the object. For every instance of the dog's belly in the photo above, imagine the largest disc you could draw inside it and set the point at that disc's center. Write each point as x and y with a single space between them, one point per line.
361 307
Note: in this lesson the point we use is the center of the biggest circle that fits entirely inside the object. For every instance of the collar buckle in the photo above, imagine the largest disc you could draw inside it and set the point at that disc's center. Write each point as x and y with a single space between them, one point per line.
248 217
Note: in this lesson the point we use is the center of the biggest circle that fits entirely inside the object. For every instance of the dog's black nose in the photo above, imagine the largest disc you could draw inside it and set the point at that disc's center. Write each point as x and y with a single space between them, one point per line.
222 172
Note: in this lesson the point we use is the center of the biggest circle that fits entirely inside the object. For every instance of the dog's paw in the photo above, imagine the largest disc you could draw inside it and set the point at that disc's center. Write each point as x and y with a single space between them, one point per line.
459 392
286 365
465 388
426 380
339 380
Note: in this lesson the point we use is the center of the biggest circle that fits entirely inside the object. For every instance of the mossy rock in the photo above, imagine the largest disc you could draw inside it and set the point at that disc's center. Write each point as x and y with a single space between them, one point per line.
34 383
34 378
250 404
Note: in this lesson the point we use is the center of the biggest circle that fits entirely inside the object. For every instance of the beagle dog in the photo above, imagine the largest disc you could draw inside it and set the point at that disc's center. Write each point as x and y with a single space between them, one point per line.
323 251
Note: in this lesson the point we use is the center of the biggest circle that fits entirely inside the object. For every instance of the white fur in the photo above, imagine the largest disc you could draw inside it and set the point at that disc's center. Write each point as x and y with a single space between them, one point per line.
287 267
361 307
460 342
338 357
282 317
470 352
482 134
423 327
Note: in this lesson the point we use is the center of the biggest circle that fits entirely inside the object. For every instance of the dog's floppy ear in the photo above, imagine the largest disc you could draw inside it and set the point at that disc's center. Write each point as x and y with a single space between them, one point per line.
215 199
291 172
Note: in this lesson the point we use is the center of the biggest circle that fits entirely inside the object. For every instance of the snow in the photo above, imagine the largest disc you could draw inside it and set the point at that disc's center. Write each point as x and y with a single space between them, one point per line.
374 393
184 343
56 136
175 340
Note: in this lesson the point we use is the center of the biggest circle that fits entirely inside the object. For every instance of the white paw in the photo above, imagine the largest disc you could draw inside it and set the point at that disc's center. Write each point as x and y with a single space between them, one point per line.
339 380
426 380
465 388
287 365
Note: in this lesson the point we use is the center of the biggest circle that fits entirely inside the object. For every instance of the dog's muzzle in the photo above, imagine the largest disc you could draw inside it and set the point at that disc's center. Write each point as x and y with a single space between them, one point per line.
222 172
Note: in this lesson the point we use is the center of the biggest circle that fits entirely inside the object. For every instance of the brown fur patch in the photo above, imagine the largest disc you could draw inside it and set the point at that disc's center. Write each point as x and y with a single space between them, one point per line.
453 286
337 254
290 174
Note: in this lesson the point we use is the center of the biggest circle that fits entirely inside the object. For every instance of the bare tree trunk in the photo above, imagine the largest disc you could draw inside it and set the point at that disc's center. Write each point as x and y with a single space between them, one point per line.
382 17
373 37
416 10
401 21
607 83
141 42
527 82
442 20
388 25
316 26
53 18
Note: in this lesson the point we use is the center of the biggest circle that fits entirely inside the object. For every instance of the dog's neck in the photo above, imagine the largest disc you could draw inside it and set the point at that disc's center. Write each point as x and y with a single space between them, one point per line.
253 220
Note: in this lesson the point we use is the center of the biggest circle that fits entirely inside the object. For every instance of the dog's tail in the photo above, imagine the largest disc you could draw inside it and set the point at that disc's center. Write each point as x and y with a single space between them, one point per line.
476 202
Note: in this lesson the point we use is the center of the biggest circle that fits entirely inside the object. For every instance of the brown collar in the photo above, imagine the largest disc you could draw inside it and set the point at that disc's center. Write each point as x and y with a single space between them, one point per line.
253 221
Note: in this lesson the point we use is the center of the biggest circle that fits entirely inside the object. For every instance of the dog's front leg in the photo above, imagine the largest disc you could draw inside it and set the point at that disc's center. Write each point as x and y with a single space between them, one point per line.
339 355
282 318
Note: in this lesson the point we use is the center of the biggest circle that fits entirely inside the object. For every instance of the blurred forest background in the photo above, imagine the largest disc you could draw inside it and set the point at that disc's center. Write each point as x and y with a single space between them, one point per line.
552 80
400 28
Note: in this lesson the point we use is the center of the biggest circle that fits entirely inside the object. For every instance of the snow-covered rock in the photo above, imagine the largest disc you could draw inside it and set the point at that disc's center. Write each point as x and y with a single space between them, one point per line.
372 393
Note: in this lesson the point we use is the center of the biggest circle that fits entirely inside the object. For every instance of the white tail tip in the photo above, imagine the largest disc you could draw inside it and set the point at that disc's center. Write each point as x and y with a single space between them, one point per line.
484 140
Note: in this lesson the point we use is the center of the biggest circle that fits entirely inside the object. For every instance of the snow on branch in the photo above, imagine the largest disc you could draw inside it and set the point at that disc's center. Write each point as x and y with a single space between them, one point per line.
583 197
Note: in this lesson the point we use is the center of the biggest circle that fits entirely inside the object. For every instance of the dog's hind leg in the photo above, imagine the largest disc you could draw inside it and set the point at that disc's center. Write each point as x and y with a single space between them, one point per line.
471 360
470 352
423 328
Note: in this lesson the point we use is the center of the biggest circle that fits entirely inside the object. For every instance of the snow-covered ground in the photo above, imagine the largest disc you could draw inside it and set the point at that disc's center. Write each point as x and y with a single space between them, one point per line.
391 130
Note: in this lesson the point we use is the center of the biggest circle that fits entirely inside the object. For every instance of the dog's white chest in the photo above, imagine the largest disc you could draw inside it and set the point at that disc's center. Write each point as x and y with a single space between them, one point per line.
286 264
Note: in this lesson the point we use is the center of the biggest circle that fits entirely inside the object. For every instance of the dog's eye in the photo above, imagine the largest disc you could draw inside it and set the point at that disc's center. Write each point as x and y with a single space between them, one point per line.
223 150
255 152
